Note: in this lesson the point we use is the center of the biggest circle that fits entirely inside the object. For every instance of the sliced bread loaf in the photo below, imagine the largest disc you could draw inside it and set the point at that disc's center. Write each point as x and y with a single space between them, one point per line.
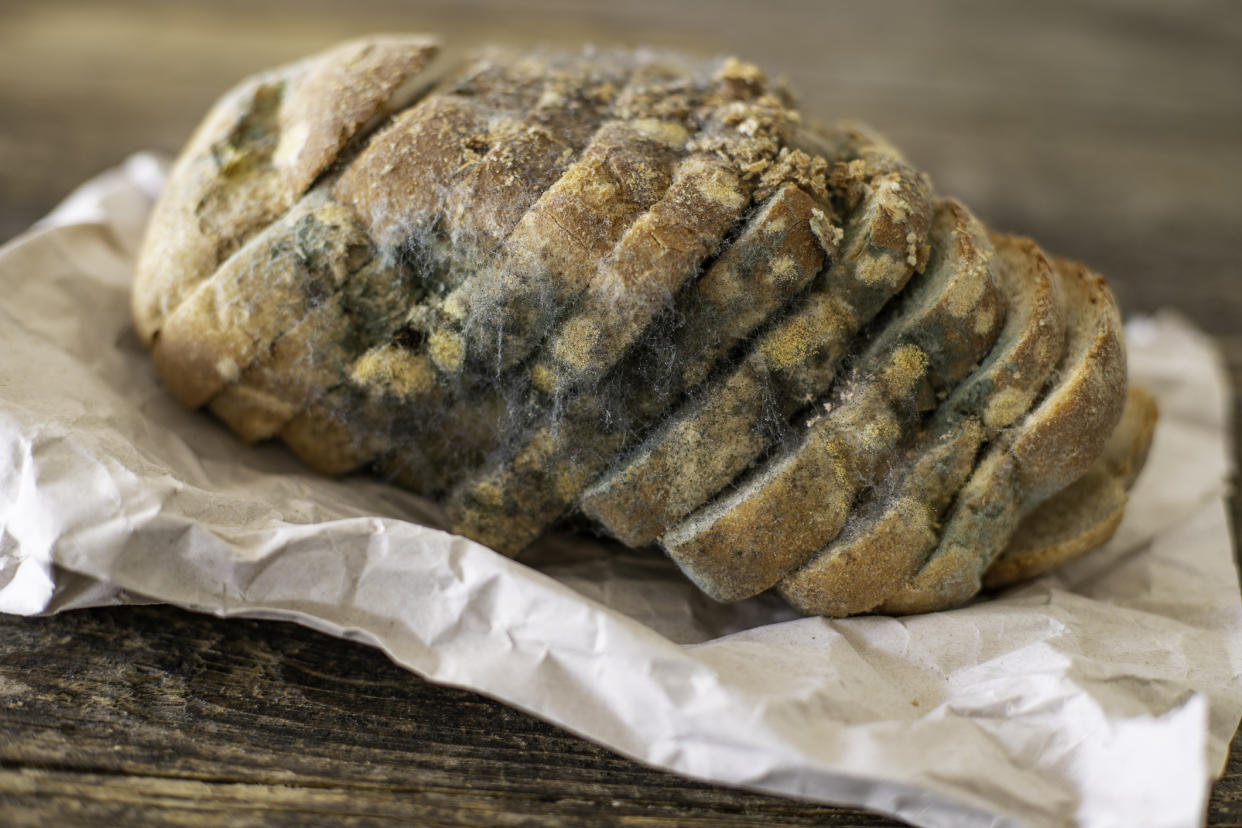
640 284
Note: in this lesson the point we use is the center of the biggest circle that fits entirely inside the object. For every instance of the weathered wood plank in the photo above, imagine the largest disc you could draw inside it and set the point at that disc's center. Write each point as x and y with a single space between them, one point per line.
156 716
153 715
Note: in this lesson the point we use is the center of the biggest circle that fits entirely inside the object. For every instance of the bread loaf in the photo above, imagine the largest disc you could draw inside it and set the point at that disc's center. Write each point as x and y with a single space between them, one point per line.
641 288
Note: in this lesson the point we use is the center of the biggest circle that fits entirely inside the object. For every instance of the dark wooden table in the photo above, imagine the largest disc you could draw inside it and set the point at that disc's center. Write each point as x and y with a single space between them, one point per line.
1112 132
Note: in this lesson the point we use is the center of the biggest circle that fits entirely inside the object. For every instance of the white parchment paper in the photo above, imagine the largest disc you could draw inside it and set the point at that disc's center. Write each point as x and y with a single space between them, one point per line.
1103 695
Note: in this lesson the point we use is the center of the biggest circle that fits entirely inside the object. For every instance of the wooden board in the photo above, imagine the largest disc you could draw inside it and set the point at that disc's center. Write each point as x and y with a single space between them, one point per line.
1110 132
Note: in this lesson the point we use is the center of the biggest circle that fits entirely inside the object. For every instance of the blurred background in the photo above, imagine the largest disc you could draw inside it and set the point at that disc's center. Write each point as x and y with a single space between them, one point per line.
1110 131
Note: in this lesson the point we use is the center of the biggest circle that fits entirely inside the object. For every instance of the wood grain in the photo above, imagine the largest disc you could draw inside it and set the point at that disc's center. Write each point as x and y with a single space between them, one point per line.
1110 132
152 715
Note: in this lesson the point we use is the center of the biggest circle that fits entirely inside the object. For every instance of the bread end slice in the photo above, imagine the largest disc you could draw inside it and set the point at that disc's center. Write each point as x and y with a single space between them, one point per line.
1084 515
261 147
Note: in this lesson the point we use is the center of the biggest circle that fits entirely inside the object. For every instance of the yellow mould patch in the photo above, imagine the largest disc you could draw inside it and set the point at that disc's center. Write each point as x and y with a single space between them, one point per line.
395 370
969 291
577 338
446 349
905 368
785 347
722 189
776 226
984 320
488 494
1005 407
543 377
668 133
785 269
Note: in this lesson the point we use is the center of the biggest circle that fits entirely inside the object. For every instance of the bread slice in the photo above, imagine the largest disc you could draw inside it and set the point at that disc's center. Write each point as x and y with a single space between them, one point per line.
1085 514
1051 447
797 501
725 425
383 73
261 147
889 536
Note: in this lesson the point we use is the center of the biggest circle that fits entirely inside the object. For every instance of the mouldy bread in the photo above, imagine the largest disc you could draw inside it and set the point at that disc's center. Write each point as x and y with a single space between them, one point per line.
642 288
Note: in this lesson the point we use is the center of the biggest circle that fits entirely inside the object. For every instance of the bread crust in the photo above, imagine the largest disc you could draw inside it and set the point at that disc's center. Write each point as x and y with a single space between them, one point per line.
258 150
